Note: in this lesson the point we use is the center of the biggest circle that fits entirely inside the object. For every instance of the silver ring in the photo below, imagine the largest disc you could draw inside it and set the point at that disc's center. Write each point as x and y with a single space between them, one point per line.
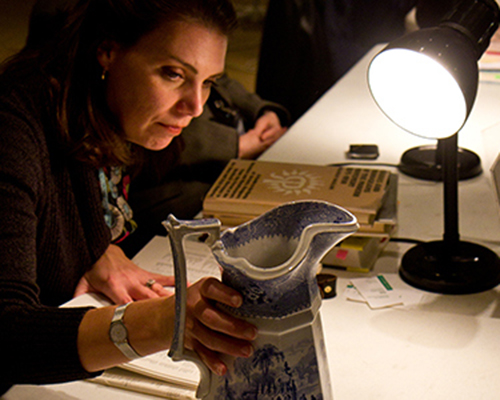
150 283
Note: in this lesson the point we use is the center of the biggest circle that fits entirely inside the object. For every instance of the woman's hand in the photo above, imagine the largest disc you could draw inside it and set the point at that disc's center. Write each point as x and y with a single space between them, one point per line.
266 131
117 277
211 331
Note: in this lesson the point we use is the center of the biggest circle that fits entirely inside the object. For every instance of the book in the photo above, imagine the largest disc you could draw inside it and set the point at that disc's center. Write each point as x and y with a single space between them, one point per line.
247 188
356 253
123 379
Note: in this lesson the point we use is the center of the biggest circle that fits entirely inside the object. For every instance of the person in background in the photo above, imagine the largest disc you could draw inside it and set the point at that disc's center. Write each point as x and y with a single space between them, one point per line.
120 77
308 45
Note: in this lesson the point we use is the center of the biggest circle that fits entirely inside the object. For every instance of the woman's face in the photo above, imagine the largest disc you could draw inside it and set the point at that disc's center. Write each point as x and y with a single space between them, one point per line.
157 86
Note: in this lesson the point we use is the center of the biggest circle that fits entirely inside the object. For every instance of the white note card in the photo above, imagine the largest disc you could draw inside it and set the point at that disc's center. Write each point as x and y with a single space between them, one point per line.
377 292
382 291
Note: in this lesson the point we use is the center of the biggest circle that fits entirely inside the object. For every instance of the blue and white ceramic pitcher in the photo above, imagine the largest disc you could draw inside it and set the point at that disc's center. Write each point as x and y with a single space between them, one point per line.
272 261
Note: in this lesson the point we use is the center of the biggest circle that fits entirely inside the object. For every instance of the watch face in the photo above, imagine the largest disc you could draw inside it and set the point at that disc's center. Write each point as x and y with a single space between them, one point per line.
118 333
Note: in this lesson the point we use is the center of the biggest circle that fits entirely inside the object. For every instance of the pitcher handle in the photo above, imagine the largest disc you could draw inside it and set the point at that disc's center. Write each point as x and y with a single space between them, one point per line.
177 230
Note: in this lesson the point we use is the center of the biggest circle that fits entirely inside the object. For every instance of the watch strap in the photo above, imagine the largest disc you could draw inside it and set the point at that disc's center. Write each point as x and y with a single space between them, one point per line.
124 346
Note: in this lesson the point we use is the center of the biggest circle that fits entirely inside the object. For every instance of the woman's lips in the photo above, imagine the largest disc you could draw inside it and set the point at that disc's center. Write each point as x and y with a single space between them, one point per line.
173 129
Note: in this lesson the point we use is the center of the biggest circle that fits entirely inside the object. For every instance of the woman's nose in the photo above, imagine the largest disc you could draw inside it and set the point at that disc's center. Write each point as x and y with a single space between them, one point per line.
192 101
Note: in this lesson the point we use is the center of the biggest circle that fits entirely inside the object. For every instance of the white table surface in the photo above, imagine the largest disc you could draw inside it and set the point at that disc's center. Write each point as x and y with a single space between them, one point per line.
445 347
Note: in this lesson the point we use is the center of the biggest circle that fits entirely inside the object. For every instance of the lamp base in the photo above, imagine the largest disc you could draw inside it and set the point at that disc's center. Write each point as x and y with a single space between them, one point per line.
461 268
424 163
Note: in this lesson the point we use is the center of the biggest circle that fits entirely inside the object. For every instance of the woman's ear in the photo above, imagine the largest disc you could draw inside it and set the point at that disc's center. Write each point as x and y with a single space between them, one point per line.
106 53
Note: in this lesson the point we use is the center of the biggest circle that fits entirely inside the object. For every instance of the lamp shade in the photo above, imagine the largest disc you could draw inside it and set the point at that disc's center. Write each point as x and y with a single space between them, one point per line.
426 82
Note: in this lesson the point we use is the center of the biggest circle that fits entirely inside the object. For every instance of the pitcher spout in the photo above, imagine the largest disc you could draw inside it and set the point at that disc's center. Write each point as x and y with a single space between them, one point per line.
275 243
272 260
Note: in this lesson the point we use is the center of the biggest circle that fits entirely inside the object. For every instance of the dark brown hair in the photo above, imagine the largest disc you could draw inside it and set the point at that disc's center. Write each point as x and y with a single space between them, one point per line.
73 75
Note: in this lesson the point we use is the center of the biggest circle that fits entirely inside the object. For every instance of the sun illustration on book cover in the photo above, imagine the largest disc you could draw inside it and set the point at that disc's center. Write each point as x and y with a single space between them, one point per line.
293 182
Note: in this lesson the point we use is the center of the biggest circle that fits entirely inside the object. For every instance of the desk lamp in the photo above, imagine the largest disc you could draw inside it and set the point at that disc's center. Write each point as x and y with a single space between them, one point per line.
425 162
426 83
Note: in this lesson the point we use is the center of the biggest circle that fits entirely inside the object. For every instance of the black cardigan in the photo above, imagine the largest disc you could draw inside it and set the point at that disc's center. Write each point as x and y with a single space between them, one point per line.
52 230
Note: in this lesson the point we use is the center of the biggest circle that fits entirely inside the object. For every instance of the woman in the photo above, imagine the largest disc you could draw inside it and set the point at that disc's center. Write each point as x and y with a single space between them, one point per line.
121 72
234 123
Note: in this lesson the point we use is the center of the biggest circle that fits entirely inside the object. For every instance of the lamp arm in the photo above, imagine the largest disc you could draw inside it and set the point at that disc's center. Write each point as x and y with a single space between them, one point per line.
449 148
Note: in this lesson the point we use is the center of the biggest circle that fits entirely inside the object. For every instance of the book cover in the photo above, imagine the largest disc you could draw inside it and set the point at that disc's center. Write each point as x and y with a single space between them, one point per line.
247 188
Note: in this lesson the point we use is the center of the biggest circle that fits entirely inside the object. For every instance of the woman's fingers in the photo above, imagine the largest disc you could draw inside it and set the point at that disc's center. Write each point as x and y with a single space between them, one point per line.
160 291
151 291
155 286
221 343
163 280
214 289
219 321
210 358
211 331
214 317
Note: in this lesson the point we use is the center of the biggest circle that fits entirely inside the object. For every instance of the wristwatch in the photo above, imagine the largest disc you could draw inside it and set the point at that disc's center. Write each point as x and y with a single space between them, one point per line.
119 335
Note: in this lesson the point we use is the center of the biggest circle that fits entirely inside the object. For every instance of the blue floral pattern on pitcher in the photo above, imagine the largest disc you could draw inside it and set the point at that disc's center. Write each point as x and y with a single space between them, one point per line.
290 292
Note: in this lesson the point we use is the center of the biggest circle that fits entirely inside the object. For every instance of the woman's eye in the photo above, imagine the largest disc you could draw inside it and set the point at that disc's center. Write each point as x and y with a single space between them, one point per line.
171 74
210 83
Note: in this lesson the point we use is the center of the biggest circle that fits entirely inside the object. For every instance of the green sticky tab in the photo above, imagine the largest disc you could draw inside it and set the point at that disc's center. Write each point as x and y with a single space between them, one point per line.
384 282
